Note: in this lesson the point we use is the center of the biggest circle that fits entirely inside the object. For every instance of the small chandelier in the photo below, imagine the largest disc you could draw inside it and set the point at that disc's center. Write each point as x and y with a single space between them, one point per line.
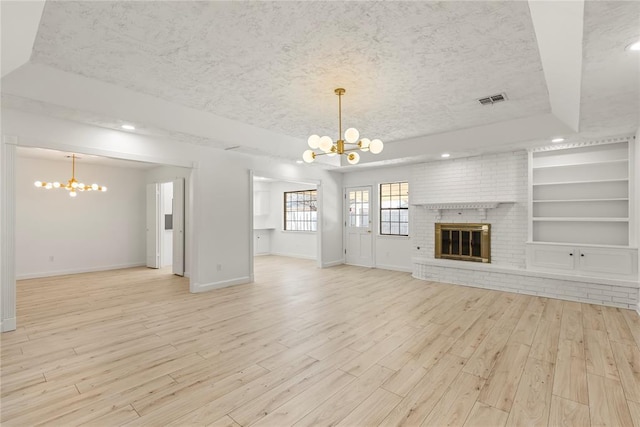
351 137
72 186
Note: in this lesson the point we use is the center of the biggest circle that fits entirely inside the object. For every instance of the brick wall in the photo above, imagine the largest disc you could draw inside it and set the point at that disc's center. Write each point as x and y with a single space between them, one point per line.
495 177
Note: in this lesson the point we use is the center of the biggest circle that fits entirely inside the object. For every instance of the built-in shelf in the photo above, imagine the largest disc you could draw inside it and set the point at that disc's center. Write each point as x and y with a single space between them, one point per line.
621 199
481 207
580 195
580 219
580 182
567 165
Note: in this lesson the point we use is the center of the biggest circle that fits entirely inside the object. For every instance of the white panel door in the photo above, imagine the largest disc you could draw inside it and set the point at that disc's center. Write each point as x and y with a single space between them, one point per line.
178 227
359 240
153 225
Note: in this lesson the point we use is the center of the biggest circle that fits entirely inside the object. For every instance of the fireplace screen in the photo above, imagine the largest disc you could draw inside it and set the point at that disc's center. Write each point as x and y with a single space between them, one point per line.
466 242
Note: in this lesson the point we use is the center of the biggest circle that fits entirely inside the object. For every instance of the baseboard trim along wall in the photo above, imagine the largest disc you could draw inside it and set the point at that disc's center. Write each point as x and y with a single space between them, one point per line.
395 268
77 271
288 255
332 263
8 325
204 287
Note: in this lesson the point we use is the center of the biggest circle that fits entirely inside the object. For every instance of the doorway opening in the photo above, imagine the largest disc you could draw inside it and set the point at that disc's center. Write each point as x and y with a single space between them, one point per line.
286 221
165 226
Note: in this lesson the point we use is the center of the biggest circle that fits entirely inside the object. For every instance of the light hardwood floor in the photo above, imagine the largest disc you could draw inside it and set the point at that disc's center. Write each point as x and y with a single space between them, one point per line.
301 346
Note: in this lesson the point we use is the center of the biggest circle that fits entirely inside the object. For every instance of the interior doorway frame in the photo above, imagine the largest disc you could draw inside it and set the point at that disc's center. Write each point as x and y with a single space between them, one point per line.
8 149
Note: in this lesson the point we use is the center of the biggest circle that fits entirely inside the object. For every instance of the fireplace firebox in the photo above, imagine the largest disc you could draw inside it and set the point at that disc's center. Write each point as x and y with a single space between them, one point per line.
465 242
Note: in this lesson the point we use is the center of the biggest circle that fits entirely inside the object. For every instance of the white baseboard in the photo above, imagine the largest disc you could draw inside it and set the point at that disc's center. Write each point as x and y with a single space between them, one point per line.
332 263
7 325
77 271
288 255
204 287
638 308
395 268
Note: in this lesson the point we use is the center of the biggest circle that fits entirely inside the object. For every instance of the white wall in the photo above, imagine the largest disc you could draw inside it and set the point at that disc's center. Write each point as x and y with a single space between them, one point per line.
221 239
57 234
635 180
390 252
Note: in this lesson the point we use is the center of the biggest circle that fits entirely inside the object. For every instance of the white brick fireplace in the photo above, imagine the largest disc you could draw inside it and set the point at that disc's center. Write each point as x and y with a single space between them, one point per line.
450 191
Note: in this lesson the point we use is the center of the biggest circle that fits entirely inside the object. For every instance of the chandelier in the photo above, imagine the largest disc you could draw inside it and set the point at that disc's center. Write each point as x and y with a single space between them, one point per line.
72 186
351 138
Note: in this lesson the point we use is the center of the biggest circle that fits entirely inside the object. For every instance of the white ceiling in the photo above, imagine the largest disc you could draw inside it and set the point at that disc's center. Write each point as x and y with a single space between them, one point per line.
413 70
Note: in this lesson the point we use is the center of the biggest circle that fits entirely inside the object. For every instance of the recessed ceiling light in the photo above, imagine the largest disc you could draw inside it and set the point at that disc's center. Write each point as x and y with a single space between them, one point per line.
554 140
445 155
128 127
635 46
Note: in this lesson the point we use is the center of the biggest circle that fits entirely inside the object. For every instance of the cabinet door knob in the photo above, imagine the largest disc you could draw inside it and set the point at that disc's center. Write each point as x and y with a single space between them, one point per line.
570 254
581 254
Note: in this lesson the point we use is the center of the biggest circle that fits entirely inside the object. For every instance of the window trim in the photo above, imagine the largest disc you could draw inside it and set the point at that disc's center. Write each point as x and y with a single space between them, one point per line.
381 209
284 211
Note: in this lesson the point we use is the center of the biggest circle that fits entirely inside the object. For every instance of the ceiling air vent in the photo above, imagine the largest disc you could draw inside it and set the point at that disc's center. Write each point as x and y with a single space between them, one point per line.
490 100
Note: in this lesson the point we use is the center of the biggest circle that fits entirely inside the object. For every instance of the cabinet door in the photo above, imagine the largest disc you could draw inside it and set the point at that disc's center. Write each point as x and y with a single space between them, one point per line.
262 242
556 257
609 261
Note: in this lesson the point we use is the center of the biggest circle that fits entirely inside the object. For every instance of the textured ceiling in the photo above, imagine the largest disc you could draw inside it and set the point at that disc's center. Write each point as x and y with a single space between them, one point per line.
610 74
410 68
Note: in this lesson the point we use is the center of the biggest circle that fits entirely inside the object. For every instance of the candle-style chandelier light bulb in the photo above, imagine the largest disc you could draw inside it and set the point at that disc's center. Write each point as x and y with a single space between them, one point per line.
73 186
351 137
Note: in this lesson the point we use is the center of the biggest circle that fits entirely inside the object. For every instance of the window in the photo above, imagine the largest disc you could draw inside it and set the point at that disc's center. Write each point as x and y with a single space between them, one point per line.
394 209
359 208
301 210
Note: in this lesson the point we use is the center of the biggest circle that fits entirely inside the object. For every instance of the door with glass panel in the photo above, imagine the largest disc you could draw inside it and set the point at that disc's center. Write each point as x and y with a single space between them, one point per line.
359 236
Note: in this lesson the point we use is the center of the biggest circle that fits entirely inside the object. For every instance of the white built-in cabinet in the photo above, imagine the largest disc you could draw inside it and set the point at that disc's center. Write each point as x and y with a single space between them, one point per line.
581 209
261 202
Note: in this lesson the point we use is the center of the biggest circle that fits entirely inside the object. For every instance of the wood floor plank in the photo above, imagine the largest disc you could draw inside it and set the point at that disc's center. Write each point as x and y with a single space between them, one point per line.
608 406
457 402
628 362
592 317
532 402
570 379
633 320
416 406
525 328
296 408
634 409
488 352
372 410
225 421
135 347
617 326
599 357
483 415
567 413
545 342
502 383
346 400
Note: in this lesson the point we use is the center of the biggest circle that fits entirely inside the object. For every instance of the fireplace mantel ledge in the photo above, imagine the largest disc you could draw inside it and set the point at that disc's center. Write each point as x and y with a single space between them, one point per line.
479 206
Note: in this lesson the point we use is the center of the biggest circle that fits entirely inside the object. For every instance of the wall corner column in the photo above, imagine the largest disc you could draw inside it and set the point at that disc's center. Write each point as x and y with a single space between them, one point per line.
7 233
